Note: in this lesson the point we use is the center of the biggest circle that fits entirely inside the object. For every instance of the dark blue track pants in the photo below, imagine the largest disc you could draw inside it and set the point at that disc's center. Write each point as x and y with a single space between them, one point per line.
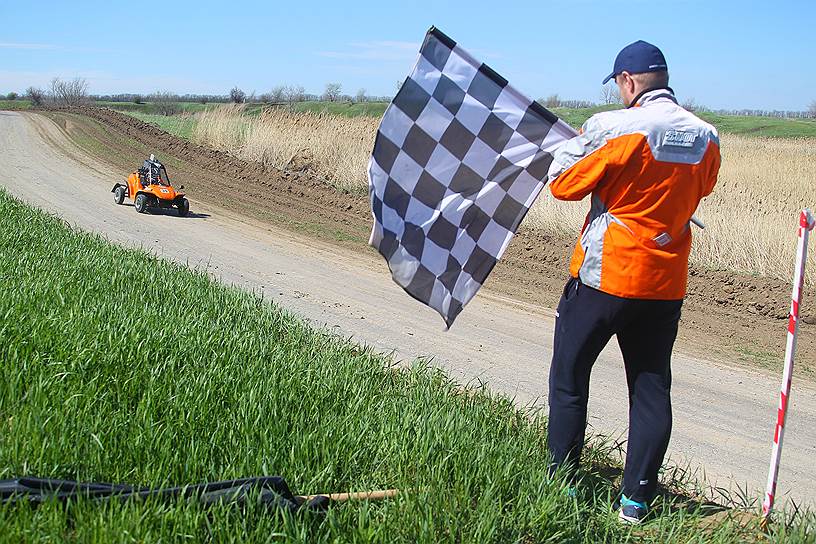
646 330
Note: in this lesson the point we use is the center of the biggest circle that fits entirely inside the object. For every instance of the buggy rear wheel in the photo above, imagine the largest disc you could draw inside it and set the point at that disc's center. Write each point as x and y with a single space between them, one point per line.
119 194
141 203
183 206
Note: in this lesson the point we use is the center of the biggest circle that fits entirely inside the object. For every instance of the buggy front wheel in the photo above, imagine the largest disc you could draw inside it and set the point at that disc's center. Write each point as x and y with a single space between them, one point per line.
141 203
183 207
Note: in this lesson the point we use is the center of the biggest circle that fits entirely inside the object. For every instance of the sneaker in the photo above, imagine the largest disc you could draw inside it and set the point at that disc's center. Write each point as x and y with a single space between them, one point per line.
632 511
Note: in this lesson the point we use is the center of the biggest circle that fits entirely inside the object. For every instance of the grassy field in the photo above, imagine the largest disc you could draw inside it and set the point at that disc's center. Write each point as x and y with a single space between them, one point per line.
19 104
346 109
118 366
746 125
148 108
773 127
575 117
179 125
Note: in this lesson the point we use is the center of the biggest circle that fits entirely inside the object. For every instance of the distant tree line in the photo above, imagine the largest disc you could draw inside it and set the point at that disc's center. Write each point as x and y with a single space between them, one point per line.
784 114
74 92
140 98
555 101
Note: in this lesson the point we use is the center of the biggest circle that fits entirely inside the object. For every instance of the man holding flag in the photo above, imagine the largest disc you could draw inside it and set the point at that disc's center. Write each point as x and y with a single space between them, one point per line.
646 168
459 159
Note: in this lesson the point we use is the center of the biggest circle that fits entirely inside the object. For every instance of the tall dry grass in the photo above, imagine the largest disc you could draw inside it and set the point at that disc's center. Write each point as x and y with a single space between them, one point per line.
750 218
336 148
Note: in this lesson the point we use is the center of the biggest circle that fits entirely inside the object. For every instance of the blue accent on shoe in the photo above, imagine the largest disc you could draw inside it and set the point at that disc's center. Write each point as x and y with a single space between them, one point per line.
626 501
632 511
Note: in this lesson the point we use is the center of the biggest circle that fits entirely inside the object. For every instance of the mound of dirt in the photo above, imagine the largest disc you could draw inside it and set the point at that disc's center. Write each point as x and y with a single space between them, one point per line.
726 315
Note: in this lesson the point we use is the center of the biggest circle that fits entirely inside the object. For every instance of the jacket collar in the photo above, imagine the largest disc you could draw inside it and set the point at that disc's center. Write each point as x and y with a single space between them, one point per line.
651 95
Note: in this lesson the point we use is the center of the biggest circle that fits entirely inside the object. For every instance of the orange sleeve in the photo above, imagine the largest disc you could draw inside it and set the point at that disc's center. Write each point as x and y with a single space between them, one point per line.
580 163
580 179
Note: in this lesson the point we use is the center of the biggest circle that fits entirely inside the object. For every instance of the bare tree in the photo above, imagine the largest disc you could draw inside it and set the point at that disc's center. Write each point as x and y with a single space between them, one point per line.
552 101
812 109
165 103
276 95
360 97
690 104
332 92
294 93
69 93
37 96
610 94
237 95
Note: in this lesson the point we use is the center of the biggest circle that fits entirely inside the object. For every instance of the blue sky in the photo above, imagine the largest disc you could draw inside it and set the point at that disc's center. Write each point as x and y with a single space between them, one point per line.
721 54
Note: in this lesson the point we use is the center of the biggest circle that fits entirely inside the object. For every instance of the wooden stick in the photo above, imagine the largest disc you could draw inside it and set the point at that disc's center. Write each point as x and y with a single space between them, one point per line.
374 495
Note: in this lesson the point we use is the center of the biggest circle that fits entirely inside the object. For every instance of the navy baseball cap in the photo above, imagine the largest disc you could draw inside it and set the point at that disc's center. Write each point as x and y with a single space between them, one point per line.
637 58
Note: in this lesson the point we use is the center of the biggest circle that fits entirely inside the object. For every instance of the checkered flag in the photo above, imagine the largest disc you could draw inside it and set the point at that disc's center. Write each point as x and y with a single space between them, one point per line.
459 158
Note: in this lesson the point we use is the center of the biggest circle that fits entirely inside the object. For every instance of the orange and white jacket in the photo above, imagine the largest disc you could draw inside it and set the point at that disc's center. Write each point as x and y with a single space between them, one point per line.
647 168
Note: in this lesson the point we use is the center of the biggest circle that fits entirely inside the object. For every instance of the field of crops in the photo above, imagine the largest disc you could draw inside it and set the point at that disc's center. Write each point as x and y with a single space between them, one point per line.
118 366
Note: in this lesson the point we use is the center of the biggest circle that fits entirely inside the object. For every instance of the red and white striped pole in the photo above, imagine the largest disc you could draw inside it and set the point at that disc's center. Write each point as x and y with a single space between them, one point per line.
806 223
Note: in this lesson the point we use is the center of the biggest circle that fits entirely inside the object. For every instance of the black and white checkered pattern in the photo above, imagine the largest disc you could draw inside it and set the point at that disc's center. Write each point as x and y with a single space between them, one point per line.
459 158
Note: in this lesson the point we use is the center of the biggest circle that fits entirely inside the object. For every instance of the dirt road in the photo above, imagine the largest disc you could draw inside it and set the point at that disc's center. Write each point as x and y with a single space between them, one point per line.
723 416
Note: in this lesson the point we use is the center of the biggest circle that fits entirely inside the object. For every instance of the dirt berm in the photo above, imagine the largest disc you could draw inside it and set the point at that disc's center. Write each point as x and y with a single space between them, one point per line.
730 317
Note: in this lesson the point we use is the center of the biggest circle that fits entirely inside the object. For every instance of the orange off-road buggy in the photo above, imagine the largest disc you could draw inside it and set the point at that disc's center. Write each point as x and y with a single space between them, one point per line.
150 187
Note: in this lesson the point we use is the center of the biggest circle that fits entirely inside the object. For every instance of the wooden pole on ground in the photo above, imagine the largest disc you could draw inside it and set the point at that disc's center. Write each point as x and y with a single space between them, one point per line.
374 495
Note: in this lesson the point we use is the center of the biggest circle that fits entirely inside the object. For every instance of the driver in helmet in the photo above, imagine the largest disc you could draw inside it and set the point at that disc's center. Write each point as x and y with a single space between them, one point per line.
152 168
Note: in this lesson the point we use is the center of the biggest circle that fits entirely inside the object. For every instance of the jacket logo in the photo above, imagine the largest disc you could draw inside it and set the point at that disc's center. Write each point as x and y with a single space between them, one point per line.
663 239
679 138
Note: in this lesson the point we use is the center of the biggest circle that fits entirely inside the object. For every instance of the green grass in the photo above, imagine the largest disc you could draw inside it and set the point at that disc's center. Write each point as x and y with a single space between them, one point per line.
747 125
19 104
118 366
575 117
346 109
178 125
761 126
148 108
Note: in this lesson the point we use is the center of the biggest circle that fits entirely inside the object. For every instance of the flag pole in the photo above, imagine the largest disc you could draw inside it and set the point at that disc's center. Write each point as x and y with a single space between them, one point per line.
806 224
